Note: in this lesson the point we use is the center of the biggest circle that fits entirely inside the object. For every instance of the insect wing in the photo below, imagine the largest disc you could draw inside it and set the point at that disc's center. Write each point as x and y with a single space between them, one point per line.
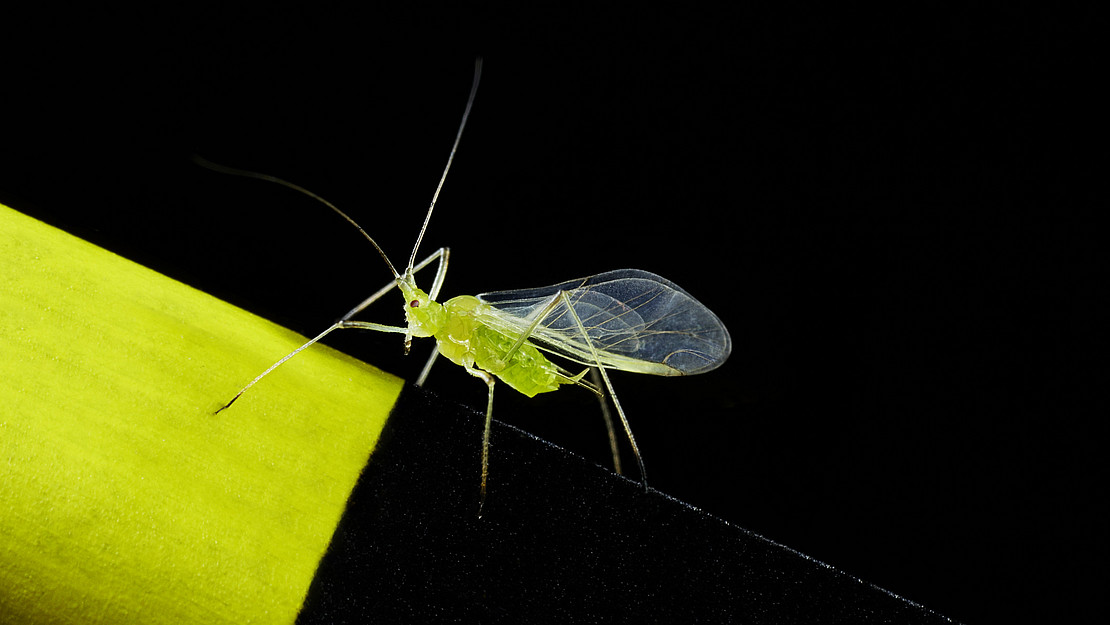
636 321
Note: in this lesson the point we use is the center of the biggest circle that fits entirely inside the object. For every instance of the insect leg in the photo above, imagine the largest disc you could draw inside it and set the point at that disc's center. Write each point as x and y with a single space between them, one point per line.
442 254
608 384
489 380
427 367
370 300
595 387
596 379
548 307
345 321
338 325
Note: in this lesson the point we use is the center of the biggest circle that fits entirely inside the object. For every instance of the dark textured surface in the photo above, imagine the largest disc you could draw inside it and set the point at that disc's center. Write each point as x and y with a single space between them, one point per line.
561 540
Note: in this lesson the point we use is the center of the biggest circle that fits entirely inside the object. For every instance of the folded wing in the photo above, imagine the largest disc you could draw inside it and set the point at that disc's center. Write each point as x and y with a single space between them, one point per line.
636 320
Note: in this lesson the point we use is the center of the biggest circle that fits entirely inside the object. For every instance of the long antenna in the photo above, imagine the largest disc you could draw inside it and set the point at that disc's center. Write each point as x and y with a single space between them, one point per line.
450 159
223 169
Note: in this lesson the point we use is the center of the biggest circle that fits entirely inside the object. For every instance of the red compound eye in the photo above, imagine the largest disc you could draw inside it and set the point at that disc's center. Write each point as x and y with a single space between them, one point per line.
415 303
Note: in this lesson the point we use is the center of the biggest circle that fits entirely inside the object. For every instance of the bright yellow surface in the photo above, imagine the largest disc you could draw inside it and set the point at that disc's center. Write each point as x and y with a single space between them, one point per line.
122 497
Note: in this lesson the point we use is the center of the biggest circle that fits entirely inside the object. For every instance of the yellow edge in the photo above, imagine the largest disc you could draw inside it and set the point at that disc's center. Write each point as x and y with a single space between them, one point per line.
122 497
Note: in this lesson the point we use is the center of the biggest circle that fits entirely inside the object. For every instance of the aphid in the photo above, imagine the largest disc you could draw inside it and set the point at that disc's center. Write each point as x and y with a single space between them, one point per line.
626 319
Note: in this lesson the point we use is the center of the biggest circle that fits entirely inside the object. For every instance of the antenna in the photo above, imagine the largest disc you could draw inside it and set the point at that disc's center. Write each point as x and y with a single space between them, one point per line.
223 169
450 159
427 218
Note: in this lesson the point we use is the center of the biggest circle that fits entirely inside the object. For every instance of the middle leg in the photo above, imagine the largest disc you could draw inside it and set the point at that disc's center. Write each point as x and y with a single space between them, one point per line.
489 380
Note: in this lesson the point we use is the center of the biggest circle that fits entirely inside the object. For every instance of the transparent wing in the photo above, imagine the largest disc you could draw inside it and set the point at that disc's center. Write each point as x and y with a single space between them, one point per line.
637 321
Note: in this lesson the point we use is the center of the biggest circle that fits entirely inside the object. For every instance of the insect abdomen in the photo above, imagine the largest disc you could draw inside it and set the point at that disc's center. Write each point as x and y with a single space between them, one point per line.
526 370
468 342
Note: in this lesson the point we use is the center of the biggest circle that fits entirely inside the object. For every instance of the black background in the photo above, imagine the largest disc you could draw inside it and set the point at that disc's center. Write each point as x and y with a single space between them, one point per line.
886 208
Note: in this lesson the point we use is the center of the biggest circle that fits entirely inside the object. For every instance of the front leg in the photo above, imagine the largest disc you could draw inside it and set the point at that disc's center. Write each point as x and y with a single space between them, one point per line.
441 254
338 325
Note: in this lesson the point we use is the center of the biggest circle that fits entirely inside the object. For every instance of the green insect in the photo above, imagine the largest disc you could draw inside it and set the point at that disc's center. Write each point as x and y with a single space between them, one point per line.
627 319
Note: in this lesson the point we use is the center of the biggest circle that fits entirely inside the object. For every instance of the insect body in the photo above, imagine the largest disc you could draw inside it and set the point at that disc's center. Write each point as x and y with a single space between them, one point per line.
627 319
465 335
